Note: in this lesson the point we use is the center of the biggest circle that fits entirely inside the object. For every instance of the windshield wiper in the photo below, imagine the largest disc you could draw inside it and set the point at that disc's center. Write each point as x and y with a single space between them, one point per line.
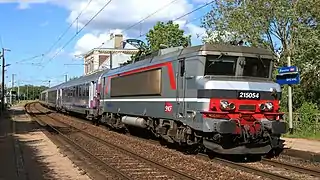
261 61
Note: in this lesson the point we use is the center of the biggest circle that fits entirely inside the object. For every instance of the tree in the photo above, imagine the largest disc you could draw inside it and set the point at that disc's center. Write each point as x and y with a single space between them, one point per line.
289 28
29 91
274 24
167 34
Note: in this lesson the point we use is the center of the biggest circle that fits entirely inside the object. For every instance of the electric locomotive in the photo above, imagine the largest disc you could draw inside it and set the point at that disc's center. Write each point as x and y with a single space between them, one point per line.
220 97
212 96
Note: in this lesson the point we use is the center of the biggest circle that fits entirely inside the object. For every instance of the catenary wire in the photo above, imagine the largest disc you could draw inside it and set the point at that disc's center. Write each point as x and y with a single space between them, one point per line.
145 18
184 15
65 32
178 18
133 25
67 43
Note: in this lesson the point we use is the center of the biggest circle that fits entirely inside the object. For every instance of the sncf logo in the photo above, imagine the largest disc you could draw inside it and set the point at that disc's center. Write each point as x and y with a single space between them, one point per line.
167 107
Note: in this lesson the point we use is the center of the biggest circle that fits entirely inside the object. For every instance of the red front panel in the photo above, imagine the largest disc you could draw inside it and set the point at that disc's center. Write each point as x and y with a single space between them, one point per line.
246 113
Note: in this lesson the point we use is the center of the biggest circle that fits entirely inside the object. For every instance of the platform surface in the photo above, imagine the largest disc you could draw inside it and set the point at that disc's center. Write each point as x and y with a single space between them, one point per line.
302 144
7 157
27 153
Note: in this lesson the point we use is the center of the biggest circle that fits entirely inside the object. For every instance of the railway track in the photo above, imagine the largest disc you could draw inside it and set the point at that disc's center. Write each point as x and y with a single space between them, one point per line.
257 171
250 169
122 162
304 170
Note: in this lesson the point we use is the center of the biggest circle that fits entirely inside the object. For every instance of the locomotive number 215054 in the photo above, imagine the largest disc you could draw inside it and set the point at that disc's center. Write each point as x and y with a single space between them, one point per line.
248 95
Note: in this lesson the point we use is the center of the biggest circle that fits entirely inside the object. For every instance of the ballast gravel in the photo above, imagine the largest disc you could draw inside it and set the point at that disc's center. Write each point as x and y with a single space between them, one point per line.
188 164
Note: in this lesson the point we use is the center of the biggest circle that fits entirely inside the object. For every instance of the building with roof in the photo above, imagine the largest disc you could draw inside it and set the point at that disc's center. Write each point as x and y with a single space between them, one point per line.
109 57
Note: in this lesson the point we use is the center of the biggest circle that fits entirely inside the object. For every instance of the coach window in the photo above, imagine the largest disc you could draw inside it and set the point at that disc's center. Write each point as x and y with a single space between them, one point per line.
73 91
77 91
220 65
87 93
83 90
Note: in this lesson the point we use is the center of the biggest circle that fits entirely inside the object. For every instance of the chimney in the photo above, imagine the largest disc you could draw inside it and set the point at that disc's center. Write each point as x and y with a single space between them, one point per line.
118 38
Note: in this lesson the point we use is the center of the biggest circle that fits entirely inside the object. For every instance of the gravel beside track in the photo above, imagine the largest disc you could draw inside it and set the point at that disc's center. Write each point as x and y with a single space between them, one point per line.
126 163
38 157
169 157
298 162
96 168
204 169
283 170
294 167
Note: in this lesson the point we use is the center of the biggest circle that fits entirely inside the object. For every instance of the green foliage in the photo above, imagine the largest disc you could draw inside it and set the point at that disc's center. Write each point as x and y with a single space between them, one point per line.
167 34
287 28
163 34
307 121
29 92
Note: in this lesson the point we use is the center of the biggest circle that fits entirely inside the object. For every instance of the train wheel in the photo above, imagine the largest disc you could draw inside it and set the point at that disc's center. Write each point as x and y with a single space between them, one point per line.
97 121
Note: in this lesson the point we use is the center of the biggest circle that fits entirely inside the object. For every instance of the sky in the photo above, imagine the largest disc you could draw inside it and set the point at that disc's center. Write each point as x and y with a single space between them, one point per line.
31 31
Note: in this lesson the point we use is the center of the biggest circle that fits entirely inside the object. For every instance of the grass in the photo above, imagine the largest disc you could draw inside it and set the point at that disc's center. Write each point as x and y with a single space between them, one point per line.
304 135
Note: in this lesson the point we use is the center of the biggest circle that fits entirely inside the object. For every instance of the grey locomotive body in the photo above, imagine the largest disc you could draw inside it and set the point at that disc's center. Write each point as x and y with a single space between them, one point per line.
215 96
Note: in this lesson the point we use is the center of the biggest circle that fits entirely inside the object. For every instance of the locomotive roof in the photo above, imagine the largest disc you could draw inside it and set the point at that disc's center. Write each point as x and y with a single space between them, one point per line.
210 49
205 49
229 49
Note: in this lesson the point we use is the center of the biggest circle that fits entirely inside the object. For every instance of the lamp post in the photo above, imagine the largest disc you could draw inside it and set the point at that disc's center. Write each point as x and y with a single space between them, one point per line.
3 74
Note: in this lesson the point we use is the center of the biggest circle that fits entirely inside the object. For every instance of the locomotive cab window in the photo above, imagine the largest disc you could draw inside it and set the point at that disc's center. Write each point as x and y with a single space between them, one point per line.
256 67
221 65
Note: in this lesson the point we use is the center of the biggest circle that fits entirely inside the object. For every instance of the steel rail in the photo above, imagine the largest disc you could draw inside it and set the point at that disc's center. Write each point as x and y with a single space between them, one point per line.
141 158
235 165
79 147
296 168
245 168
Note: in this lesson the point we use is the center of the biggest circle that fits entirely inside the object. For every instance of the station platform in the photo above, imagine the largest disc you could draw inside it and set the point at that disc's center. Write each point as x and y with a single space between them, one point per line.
303 148
302 144
27 153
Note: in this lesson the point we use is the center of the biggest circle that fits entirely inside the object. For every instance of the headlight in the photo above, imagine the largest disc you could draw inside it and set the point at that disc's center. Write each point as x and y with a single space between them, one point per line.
224 104
269 105
232 106
262 107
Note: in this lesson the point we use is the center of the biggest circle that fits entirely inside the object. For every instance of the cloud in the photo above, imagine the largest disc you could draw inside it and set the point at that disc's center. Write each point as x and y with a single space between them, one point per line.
196 31
91 40
121 15
23 4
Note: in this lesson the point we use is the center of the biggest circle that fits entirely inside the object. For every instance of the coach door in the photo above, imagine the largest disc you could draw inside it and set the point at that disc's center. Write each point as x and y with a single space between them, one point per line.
102 89
92 94
59 97
180 92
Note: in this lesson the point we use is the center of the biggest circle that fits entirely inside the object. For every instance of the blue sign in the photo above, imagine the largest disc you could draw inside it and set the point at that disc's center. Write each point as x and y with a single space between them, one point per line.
289 69
289 79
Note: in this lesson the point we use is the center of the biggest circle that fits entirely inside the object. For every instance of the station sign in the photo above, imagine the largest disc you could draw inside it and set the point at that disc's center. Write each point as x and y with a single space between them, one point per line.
288 75
289 69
